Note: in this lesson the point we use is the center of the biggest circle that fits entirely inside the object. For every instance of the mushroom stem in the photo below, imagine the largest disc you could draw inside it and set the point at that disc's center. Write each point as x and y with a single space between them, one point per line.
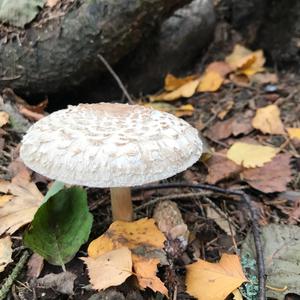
121 203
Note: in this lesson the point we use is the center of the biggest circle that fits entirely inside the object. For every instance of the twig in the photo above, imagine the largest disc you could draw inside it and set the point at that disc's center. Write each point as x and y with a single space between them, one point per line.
116 77
168 197
253 214
13 276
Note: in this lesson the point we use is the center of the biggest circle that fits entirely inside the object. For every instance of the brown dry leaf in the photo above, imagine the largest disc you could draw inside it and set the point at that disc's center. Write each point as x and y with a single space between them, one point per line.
239 124
245 61
4 118
267 120
5 252
181 111
249 155
51 3
186 91
173 83
240 80
128 234
272 177
294 133
145 270
211 81
18 210
109 269
220 67
214 281
264 78
35 266
220 167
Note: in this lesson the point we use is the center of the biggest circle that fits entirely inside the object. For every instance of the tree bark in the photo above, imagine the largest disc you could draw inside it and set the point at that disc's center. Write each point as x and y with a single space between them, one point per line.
63 52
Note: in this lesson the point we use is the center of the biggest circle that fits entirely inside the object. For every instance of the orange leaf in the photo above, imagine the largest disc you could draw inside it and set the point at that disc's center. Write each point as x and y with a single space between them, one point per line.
267 120
109 269
294 133
214 281
210 82
128 234
145 270
172 83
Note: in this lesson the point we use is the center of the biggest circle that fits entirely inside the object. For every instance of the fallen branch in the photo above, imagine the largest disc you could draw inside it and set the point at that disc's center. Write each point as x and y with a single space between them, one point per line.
255 226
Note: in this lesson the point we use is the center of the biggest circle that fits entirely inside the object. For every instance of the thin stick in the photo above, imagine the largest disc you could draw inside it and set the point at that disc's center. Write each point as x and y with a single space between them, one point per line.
116 77
253 214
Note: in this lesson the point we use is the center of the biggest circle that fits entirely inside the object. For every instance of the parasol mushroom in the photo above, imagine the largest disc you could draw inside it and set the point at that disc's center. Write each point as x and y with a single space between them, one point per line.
110 145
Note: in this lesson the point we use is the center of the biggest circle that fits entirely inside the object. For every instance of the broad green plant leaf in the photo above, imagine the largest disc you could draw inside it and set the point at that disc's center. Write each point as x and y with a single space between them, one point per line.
60 226
54 189
19 12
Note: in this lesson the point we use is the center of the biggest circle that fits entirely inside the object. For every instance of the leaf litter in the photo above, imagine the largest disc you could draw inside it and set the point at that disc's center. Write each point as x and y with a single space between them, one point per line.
266 167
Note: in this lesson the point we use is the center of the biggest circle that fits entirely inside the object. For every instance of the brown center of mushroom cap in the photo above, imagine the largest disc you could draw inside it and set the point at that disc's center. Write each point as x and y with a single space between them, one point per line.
106 145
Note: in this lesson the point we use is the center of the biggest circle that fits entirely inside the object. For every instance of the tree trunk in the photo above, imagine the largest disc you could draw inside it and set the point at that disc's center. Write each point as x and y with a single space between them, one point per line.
63 52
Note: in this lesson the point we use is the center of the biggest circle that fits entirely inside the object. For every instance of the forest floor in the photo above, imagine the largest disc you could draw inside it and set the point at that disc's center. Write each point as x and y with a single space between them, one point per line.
217 223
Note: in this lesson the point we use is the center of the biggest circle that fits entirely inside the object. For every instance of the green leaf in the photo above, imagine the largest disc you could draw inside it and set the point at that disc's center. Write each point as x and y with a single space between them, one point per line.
54 189
19 12
60 226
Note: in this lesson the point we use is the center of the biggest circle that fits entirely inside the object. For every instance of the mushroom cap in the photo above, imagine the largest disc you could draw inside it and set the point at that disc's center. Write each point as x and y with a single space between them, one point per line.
110 145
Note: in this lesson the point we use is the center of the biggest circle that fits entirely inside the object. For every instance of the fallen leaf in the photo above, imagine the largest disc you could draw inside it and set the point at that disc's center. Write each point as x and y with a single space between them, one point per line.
240 80
62 282
220 221
294 133
128 234
5 252
35 265
4 118
181 111
173 83
214 281
237 295
245 61
60 226
186 91
271 177
267 120
220 67
145 270
18 208
220 167
109 269
239 124
51 3
280 244
264 78
210 82
249 155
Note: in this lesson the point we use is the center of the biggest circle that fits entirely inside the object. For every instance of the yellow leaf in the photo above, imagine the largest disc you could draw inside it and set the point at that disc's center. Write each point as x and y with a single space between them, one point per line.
210 82
246 61
5 252
109 269
172 83
249 155
145 270
267 120
237 295
294 133
4 118
214 281
181 111
220 67
186 90
128 234
18 210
